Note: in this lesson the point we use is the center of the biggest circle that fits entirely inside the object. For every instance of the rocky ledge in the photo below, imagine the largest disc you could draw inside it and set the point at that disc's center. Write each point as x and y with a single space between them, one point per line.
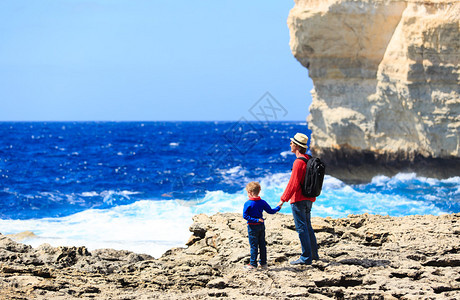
362 257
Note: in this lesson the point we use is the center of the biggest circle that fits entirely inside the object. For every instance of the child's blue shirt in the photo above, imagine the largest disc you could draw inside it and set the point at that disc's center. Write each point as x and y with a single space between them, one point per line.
253 210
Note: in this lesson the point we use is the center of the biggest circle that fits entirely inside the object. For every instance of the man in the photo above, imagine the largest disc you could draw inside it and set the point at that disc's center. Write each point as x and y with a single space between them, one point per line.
301 205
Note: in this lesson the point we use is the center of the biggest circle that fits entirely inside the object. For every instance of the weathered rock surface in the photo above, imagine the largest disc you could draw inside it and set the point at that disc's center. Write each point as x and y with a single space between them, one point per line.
362 257
386 81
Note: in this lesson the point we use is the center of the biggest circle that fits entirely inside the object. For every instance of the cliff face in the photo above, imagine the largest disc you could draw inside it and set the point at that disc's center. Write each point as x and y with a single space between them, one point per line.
386 80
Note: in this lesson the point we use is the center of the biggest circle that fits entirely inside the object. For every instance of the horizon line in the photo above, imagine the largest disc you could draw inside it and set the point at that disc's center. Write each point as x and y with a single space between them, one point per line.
139 121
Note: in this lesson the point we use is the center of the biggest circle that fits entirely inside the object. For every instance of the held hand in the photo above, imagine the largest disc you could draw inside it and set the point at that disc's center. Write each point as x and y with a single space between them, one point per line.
280 204
261 220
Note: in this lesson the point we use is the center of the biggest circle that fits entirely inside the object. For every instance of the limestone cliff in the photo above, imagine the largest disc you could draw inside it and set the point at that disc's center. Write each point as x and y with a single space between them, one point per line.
386 82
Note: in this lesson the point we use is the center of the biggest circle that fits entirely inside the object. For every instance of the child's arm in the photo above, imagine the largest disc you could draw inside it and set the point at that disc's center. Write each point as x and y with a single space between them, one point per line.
269 210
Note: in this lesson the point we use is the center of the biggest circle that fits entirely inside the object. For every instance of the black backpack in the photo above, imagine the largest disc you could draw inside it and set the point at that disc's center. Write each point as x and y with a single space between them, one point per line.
313 183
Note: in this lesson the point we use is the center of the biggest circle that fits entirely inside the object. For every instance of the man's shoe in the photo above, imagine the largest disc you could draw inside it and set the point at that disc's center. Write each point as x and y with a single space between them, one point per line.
299 262
249 267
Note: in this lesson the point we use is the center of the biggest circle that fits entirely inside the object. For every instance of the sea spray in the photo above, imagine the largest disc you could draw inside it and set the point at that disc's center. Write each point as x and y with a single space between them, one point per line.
154 226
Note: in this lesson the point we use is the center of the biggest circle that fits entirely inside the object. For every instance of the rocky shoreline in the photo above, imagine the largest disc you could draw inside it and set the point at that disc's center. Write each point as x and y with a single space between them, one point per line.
362 257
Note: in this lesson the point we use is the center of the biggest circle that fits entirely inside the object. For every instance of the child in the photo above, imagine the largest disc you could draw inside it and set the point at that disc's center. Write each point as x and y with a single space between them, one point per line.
252 212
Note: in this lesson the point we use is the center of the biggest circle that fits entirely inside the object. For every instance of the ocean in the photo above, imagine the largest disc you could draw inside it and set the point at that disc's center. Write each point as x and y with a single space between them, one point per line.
136 185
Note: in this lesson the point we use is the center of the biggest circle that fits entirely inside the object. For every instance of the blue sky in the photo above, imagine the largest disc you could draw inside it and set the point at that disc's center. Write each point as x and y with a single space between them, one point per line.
130 60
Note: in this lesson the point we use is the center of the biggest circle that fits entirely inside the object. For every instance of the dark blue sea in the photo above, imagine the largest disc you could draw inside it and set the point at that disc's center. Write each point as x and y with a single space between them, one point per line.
136 185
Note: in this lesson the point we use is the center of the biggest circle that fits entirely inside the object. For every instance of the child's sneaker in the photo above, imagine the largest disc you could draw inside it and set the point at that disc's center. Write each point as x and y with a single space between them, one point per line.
249 267
264 266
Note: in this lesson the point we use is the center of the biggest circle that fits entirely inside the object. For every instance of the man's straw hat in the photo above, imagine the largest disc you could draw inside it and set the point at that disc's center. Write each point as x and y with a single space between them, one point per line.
300 139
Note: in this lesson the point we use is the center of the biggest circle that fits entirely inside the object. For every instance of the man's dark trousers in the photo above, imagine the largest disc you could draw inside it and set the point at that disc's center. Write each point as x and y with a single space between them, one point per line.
302 219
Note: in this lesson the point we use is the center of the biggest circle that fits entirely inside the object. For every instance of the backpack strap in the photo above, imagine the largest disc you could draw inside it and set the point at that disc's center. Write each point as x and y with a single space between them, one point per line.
305 160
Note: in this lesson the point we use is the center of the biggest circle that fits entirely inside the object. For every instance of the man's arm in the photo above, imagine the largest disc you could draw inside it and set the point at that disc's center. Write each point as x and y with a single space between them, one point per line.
294 181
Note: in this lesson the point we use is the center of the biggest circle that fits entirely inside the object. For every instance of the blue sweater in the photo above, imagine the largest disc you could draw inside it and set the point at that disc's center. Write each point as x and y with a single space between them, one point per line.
253 210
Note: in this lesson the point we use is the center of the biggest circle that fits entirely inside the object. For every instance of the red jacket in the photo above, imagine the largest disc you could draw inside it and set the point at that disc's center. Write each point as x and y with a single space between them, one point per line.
293 191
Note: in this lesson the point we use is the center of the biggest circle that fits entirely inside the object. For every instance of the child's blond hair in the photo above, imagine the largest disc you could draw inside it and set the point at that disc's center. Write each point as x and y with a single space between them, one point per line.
253 187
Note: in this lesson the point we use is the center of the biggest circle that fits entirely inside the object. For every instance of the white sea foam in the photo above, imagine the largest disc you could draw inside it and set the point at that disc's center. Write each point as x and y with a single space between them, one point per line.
284 154
90 194
153 226
380 180
111 196
332 183
453 180
145 226
233 175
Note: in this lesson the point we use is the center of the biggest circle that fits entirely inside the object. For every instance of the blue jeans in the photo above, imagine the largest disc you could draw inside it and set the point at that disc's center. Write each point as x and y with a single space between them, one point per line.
302 219
256 234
